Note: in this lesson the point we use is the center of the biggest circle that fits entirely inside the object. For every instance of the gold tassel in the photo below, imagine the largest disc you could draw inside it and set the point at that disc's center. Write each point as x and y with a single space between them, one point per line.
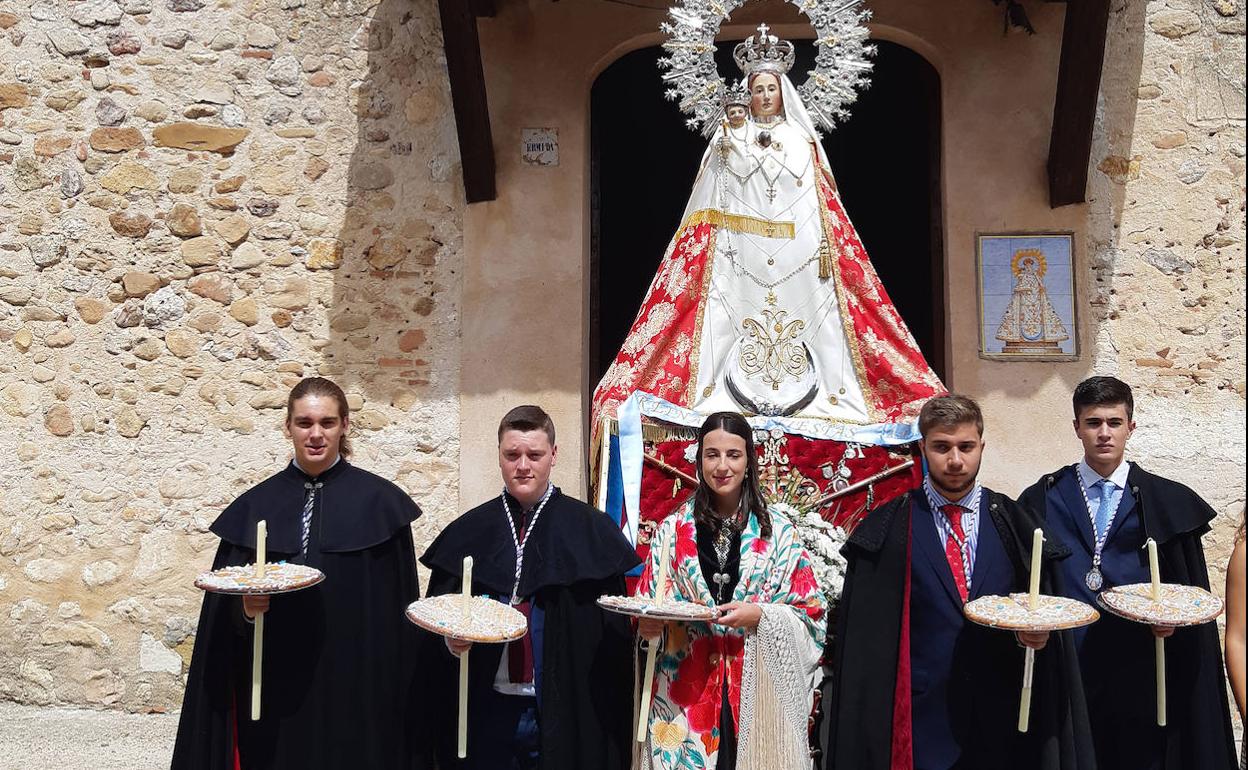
825 260
739 223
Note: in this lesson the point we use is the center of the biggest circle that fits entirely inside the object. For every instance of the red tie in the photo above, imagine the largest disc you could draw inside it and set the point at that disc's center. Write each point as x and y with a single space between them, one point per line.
520 653
953 547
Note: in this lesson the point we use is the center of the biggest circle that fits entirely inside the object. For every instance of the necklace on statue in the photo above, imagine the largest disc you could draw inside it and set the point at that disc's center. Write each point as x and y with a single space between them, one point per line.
1095 579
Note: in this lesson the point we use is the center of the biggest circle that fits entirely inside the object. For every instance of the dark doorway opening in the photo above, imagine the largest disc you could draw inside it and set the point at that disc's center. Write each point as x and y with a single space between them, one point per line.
885 158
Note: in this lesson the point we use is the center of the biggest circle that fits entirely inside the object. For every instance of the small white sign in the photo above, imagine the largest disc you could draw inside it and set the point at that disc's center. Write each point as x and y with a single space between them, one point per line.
539 146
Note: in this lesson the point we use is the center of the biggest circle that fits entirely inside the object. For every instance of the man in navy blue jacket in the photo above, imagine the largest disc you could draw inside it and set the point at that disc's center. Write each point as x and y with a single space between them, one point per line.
1104 508
915 685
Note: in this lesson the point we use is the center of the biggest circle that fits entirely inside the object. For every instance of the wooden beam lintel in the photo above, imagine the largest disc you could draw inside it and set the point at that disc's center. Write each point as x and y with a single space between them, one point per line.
1074 110
468 97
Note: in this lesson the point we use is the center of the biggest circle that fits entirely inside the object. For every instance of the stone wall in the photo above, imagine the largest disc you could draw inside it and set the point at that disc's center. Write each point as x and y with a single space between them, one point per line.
1165 243
203 201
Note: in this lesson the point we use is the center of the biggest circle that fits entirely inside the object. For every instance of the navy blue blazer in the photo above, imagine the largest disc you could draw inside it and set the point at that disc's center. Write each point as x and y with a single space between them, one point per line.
944 645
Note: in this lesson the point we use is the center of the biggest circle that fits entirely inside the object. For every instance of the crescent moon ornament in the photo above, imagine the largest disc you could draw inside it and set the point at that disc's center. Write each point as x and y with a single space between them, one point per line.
842 59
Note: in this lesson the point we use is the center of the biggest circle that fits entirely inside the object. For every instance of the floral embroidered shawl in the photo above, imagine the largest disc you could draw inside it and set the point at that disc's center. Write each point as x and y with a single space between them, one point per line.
770 672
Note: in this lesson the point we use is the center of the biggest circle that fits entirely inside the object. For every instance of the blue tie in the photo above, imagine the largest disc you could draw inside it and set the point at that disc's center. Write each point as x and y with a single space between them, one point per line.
1103 510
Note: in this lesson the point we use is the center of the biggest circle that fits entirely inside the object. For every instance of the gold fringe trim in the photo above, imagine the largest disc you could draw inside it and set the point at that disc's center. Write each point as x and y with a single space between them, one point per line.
655 432
740 223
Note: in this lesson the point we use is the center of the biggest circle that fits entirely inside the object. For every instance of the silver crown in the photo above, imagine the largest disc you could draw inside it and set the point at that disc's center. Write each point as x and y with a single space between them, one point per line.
737 94
764 52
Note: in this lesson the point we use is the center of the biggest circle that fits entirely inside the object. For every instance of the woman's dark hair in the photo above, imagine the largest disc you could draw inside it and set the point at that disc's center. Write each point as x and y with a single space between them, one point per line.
751 495
319 386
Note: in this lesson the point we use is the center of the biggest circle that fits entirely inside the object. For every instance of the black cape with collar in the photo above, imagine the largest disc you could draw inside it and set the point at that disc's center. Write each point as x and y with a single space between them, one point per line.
1120 683
339 658
858 734
575 554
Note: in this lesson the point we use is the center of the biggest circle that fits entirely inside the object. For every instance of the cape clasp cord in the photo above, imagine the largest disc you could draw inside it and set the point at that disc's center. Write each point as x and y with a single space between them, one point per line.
521 541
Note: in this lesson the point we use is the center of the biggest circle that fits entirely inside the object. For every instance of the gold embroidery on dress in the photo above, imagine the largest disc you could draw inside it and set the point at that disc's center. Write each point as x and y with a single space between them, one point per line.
740 223
772 348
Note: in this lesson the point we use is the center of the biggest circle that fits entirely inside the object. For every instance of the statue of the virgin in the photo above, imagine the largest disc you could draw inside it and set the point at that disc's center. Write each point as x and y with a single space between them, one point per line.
765 301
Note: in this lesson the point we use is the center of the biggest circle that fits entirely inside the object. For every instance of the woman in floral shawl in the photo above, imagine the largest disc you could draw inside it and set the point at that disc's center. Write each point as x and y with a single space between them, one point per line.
734 694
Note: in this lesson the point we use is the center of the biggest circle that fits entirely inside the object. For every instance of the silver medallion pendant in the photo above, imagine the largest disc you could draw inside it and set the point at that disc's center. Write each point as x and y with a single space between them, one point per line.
1094 579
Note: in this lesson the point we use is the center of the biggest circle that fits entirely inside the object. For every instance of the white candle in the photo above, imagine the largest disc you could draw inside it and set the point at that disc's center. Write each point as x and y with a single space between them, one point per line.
1024 704
1037 546
1154 570
466 592
257 639
1159 644
262 534
1029 659
257 655
660 594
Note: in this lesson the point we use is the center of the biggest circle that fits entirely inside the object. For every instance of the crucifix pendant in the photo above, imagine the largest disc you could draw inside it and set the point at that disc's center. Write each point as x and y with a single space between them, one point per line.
720 579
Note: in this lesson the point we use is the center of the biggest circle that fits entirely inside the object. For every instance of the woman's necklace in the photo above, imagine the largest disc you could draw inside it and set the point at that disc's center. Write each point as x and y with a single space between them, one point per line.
723 548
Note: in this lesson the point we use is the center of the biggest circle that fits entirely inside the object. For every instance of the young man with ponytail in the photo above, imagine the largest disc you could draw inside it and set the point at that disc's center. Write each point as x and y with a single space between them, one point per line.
339 657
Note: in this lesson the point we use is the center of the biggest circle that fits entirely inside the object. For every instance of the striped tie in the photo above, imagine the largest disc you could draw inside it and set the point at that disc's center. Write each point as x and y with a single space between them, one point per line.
953 548
307 512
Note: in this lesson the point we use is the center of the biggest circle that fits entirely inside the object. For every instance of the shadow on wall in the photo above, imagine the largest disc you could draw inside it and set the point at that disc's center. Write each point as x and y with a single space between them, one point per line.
392 324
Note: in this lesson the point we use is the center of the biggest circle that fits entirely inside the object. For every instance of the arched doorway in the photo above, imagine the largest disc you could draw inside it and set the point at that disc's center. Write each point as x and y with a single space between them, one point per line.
886 160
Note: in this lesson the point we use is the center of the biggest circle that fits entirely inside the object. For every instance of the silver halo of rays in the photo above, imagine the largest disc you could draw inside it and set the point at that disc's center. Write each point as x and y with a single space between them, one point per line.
842 59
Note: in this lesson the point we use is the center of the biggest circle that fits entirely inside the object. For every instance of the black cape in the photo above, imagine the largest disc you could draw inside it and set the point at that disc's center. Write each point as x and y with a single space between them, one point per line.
339 658
575 554
1118 656
858 734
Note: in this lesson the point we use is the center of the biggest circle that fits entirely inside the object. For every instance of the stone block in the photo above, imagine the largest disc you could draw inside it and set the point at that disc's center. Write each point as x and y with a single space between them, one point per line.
185 180
245 311
139 284
1174 23
163 307
45 570
127 176
247 256
116 139
324 254
229 184
199 136
213 286
183 221
156 657
131 224
59 420
76 633
90 310
204 251
100 573
19 399
233 229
